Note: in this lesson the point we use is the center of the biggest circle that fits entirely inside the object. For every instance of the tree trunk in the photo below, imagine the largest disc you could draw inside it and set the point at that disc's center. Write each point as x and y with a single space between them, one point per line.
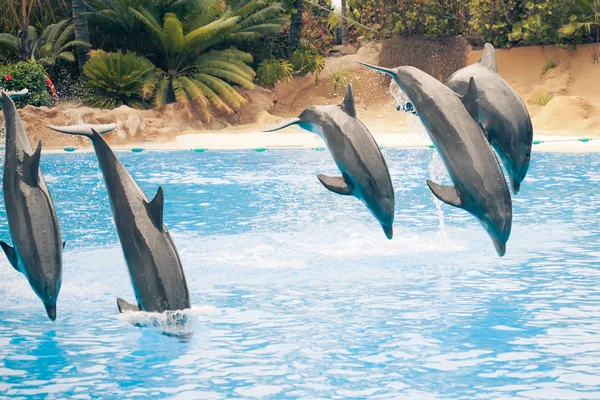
324 14
296 24
344 23
81 30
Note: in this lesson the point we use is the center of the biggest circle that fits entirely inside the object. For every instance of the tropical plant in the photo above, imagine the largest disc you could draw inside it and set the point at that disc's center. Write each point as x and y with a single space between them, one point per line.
9 46
307 61
197 80
339 81
585 19
26 75
271 71
542 98
113 79
54 45
548 65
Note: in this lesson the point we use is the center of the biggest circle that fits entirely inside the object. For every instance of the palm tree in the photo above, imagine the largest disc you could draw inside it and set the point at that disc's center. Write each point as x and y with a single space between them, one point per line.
54 44
82 32
193 79
585 19
344 23
296 24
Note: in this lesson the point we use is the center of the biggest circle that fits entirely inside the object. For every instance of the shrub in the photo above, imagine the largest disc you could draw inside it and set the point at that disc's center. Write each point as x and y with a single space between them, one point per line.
339 81
26 75
307 61
542 98
550 64
113 79
271 71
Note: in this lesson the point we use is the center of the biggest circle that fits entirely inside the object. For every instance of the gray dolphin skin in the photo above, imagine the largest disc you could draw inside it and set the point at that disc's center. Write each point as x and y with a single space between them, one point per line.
154 266
34 230
451 122
501 112
365 174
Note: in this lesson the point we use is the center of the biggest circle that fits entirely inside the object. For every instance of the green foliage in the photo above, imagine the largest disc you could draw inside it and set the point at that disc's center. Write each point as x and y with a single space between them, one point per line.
55 44
26 75
340 80
271 71
9 47
584 22
113 79
502 23
548 65
542 98
307 61
198 80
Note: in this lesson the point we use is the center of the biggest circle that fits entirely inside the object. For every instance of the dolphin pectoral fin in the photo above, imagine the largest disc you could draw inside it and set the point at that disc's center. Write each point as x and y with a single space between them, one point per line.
64 244
155 208
34 163
488 58
11 254
125 306
447 194
348 103
284 124
471 100
336 184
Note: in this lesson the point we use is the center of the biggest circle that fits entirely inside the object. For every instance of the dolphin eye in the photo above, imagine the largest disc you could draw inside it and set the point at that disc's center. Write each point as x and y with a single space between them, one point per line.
527 155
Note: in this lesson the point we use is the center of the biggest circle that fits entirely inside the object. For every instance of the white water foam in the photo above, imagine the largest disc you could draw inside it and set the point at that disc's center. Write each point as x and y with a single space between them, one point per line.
180 323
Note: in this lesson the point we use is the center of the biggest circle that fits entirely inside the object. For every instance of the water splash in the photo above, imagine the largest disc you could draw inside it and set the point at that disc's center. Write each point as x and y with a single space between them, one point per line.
436 168
179 324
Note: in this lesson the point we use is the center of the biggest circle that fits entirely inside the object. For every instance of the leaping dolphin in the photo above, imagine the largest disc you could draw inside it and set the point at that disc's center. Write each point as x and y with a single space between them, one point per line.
451 122
154 266
501 112
365 174
34 229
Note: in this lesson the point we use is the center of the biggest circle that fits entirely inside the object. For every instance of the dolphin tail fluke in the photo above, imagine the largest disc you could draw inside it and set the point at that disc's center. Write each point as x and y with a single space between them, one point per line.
378 68
18 93
284 124
84 129
336 184
125 306
488 58
51 311
389 231
447 194
11 254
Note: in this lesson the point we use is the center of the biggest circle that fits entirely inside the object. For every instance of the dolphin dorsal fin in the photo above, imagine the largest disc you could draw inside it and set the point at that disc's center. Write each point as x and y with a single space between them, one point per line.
471 100
34 164
447 194
488 58
336 184
155 208
348 103
11 254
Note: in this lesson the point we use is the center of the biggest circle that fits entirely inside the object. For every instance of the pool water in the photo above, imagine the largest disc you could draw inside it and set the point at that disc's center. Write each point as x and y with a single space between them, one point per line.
298 294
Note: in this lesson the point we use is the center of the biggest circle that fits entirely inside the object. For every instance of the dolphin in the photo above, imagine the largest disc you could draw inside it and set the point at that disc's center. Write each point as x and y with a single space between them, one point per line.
451 122
154 266
34 229
365 174
502 114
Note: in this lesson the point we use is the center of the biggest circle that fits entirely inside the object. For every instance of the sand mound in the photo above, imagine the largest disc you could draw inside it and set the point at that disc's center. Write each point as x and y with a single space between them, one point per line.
569 114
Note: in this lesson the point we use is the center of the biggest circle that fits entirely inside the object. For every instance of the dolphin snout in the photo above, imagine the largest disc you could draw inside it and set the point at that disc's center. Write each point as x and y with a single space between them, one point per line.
500 247
51 311
389 231
516 186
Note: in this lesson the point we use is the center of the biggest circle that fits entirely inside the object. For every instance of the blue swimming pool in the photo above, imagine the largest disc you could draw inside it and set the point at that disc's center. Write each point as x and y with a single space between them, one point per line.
298 294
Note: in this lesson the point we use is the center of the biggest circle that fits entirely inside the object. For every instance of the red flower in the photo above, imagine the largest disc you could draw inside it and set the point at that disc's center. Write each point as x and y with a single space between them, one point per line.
7 77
